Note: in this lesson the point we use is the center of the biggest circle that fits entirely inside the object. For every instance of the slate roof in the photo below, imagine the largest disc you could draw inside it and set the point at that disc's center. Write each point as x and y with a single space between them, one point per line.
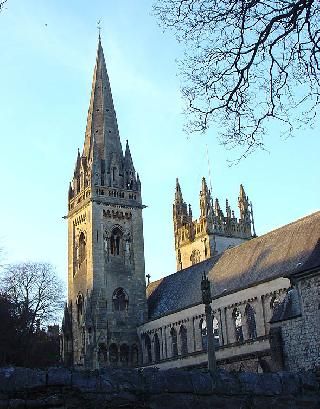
279 253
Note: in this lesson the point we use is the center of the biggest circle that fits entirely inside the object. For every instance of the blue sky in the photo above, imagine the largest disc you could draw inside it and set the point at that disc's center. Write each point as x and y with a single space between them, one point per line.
48 53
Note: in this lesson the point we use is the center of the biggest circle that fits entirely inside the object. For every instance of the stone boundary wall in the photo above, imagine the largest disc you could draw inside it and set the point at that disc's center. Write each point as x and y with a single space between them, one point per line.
22 388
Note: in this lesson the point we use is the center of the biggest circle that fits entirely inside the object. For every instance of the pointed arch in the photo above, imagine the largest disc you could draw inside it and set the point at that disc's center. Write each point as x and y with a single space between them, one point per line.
237 321
124 354
134 355
156 347
82 248
120 300
116 240
174 342
183 340
249 312
113 354
147 344
204 333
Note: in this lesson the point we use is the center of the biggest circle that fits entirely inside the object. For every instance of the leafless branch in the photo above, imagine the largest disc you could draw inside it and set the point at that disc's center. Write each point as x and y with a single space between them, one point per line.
247 62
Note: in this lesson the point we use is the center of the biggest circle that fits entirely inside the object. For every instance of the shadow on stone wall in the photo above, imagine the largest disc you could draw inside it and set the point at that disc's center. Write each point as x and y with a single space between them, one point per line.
154 389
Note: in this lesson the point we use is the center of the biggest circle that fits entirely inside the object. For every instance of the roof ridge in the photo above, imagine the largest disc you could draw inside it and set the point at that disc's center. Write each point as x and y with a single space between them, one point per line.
255 239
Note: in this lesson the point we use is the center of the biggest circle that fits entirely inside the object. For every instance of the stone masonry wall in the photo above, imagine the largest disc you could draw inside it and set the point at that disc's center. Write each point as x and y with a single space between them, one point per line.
22 388
301 335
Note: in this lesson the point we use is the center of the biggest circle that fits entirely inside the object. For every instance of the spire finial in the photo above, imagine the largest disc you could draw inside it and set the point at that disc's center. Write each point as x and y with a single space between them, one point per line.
99 28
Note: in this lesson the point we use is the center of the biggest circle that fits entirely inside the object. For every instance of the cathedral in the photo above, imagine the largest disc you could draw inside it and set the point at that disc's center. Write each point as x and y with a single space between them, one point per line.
260 286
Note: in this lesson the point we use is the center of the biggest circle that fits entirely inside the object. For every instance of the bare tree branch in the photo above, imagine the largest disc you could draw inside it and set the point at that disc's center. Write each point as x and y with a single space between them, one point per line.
35 289
247 62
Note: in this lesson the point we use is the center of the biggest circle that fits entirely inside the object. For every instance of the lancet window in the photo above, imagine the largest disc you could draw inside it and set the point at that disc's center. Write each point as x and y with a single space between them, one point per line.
195 257
147 344
204 333
82 247
216 332
156 347
120 300
183 340
113 354
134 355
116 242
124 354
237 320
251 321
174 342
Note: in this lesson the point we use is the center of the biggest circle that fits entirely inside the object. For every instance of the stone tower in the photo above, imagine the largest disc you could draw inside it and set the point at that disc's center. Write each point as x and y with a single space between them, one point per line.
199 239
106 273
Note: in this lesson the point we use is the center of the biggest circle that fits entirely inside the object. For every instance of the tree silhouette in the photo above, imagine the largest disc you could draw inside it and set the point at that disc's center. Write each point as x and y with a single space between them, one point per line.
247 62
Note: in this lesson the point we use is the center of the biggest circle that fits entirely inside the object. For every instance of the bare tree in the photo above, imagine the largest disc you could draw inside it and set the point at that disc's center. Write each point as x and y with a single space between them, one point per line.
2 3
35 290
246 62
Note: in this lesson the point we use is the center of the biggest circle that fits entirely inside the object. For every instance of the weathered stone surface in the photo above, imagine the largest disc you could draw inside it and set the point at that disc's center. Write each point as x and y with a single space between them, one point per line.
266 384
153 389
202 383
12 379
59 376
227 382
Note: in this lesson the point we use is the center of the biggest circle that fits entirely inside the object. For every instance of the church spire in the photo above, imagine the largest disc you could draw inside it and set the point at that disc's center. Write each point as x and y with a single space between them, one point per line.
102 127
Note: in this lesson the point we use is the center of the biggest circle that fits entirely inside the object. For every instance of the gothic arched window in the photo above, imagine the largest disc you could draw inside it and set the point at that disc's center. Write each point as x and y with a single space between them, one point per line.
204 333
156 348
195 257
184 340
102 354
116 242
174 342
215 327
113 353
120 300
134 355
237 320
124 354
147 344
249 312
82 247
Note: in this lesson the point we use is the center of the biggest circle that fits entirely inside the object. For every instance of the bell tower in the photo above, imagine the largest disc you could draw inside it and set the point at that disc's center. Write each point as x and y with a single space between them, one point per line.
106 273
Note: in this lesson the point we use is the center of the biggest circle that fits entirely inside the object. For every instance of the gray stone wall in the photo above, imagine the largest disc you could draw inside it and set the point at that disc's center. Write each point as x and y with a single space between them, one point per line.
301 335
124 388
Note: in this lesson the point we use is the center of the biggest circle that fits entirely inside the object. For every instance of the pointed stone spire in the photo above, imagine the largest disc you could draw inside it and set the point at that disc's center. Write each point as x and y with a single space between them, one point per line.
205 199
243 203
102 127
178 194
128 163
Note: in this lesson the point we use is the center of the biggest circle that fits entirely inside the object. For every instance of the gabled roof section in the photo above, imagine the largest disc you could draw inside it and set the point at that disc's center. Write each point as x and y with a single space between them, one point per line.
102 127
280 253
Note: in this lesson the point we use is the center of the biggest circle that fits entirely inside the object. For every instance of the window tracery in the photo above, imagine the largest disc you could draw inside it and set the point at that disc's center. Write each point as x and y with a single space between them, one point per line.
195 257
116 242
120 300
